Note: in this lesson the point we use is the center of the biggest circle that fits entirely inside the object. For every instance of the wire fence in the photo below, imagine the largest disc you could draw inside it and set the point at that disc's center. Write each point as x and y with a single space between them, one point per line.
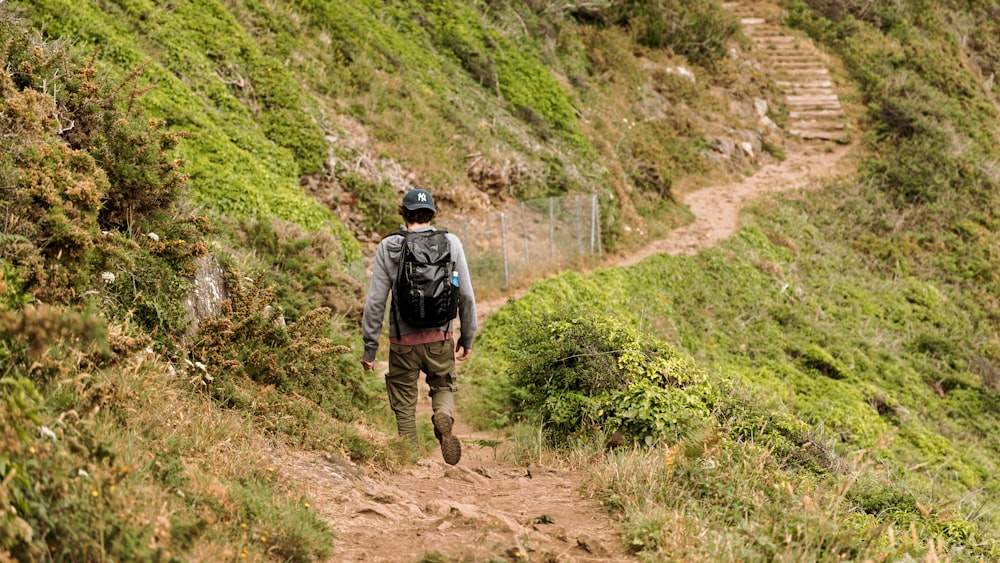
522 242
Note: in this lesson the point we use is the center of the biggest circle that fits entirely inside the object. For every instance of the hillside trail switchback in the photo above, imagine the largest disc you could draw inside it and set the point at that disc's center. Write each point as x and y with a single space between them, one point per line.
488 507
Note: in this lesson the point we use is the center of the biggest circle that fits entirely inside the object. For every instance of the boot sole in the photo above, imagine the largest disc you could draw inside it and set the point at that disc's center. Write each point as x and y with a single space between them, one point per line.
451 446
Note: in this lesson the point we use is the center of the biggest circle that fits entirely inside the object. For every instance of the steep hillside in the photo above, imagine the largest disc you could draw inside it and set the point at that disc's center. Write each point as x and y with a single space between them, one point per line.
848 409
147 146
355 101
821 386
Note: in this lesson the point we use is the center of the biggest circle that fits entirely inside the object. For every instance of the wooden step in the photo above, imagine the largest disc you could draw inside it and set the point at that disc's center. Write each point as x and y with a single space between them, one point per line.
797 68
823 125
808 113
811 72
821 135
795 65
808 92
793 57
777 39
817 84
813 106
808 99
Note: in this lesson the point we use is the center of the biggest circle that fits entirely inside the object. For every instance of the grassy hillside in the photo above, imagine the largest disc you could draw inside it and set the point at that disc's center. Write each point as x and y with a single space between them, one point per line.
845 400
821 387
141 139
305 92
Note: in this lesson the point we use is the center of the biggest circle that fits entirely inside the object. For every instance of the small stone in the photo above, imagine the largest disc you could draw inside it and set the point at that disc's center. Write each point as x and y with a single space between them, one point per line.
591 546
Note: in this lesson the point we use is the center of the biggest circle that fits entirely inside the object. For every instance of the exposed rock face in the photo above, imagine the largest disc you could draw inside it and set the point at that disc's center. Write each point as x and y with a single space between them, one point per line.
209 291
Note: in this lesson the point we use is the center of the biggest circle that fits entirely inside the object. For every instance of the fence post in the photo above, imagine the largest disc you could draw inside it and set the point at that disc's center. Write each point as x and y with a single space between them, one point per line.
597 221
579 230
552 228
593 237
524 236
503 236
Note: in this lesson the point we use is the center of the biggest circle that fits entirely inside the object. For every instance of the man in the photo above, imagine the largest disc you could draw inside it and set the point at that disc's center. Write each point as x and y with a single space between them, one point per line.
411 349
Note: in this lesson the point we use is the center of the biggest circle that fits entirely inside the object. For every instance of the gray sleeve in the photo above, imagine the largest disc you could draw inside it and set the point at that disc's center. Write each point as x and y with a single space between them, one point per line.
466 295
375 304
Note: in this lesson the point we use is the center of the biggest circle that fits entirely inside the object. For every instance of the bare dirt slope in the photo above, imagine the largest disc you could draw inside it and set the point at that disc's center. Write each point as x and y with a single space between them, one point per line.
490 508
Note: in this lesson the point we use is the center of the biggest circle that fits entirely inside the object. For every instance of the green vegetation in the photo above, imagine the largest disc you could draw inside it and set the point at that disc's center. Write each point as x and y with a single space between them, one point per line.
105 402
249 132
822 386
260 90
852 332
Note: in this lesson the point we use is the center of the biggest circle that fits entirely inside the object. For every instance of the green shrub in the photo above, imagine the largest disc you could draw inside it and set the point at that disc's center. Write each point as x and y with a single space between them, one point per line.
700 31
86 165
18 415
583 374
305 268
250 339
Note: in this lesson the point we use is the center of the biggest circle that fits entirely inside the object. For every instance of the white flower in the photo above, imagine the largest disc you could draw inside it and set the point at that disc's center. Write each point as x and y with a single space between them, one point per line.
154 237
108 277
46 432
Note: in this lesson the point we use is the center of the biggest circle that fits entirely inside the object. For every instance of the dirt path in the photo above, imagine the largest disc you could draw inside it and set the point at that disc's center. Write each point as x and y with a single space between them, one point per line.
717 208
488 508
474 511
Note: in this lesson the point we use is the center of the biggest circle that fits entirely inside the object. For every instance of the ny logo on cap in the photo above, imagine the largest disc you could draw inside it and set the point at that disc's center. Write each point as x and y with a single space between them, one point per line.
421 197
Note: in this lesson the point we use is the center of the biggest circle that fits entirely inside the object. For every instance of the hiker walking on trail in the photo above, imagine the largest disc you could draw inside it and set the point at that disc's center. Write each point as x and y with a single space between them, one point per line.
427 274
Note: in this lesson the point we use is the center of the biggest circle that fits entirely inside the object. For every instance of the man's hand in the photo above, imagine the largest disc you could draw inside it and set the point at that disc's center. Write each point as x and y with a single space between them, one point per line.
462 353
370 366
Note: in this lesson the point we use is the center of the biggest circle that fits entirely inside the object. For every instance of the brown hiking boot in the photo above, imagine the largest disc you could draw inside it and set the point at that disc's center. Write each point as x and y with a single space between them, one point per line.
451 446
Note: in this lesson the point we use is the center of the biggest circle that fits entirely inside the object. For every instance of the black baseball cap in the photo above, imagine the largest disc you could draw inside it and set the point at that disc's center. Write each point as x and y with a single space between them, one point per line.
418 198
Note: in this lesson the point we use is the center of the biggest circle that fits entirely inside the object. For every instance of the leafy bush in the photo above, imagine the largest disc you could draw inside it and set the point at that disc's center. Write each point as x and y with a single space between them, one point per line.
18 415
305 269
84 165
96 118
250 339
698 30
586 374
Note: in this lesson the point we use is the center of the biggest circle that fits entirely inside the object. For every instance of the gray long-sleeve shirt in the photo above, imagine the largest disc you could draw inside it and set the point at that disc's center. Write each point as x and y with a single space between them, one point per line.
384 275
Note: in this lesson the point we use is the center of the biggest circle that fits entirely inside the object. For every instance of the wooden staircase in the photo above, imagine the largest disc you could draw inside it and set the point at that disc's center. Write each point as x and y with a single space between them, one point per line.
797 67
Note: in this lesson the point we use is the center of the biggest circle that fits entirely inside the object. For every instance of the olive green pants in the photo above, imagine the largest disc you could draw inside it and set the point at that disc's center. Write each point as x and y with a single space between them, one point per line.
437 361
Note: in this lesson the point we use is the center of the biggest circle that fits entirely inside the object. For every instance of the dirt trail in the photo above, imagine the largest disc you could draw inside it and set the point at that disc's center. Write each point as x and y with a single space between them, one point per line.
487 507
717 208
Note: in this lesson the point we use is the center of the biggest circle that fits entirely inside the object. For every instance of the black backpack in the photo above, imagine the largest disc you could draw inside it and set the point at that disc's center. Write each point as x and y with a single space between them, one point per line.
425 294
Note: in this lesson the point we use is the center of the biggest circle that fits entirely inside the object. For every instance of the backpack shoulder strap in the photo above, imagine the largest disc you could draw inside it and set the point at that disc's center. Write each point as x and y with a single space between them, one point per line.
402 232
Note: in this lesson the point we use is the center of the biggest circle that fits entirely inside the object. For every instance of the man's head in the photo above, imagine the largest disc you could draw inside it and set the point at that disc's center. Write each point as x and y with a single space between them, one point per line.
417 207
